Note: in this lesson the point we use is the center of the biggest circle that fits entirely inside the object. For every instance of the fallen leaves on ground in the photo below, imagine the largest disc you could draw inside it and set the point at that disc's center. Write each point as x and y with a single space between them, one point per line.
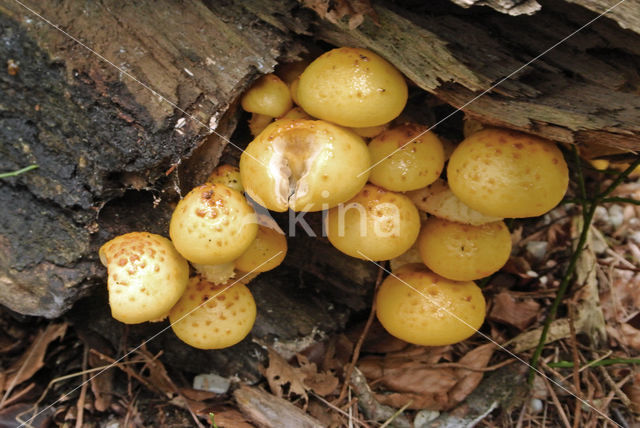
421 376
287 381
32 359
518 313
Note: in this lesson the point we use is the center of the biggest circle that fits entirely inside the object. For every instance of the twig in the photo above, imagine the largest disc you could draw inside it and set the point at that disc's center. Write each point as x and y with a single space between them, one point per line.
621 200
602 363
83 390
339 410
576 372
363 335
621 395
472 369
396 414
555 400
18 172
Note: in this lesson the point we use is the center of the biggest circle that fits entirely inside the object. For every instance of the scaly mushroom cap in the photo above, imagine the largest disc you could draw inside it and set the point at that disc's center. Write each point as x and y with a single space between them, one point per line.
266 252
305 165
269 96
224 320
400 164
147 276
505 173
438 200
352 87
420 307
375 224
462 252
212 225
227 175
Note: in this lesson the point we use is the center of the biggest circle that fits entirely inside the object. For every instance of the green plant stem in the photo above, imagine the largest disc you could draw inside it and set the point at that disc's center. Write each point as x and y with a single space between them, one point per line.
562 289
619 179
608 362
18 172
619 199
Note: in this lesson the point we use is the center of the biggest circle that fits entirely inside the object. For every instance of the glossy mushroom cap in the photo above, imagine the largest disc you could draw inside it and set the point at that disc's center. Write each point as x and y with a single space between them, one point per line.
420 307
305 165
374 225
463 252
210 316
146 276
227 175
265 253
405 158
352 87
505 173
213 224
268 96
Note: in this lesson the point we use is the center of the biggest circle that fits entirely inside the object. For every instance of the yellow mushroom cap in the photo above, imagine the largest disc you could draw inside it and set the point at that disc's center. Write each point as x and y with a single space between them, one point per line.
463 252
269 96
266 252
370 131
352 87
420 307
213 224
146 276
400 164
227 175
375 224
305 165
438 200
258 122
224 320
505 173
296 113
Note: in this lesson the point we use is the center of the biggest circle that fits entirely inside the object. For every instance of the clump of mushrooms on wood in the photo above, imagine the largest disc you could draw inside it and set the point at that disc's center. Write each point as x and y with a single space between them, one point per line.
328 137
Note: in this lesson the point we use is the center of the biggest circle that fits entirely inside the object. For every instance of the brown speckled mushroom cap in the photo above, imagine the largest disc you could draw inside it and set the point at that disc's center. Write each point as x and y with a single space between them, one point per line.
210 316
213 224
146 276
504 173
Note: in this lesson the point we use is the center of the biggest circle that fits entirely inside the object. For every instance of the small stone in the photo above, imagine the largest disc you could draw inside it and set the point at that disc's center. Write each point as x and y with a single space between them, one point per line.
635 237
537 249
424 417
211 382
536 405
616 215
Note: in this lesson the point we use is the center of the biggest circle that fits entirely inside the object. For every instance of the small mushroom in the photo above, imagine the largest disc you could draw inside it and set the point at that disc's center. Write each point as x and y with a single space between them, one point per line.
505 173
258 122
210 316
269 96
305 165
265 253
146 276
213 224
352 87
374 225
420 307
438 200
228 175
406 157
463 252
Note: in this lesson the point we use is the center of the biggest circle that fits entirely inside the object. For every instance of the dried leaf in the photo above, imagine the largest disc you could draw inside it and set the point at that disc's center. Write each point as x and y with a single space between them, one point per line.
508 310
335 10
283 379
468 379
230 418
33 358
632 389
322 383
101 386
418 401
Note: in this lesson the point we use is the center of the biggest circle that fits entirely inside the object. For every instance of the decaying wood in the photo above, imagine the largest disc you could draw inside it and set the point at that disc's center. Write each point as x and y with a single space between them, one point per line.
511 7
267 410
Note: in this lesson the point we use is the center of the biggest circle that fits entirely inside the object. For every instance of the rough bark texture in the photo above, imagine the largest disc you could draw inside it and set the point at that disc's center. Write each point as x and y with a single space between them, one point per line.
107 145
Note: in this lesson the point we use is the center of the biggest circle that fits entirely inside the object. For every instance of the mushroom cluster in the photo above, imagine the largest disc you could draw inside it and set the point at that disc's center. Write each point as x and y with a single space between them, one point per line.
329 136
